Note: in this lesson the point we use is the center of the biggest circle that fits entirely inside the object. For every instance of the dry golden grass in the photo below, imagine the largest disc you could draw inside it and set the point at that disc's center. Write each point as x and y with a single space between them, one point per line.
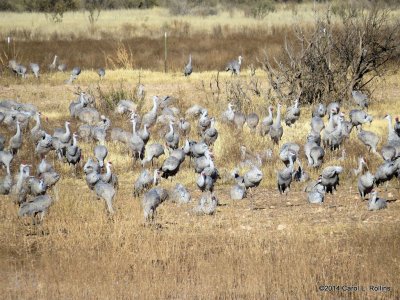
284 249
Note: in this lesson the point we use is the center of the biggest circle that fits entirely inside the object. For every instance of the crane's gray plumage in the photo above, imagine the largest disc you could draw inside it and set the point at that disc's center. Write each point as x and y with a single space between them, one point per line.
145 180
330 178
207 205
365 184
369 139
180 194
292 113
101 72
285 176
276 130
360 99
376 203
188 68
316 194
151 200
359 117
153 151
319 111
39 204
252 120
100 153
267 122
234 66
35 69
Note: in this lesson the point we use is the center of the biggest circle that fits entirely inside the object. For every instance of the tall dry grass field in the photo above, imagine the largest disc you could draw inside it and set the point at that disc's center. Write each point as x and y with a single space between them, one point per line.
284 249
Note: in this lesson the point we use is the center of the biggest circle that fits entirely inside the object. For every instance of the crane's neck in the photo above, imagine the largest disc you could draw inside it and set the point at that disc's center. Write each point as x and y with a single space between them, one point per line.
171 129
74 141
108 170
155 105
134 126
290 163
278 116
67 129
18 129
389 118
155 177
190 59
55 60
239 60
37 119
270 112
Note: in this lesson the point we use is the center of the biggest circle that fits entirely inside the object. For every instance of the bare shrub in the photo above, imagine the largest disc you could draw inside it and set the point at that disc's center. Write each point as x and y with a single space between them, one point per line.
259 9
328 61
122 58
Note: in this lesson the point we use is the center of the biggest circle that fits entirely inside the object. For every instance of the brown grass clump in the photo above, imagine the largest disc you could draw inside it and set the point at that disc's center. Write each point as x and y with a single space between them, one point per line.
283 249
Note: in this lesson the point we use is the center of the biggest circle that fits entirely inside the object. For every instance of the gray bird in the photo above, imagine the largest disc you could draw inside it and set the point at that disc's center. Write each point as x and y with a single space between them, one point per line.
385 172
292 113
319 111
109 176
330 178
210 135
53 65
287 150
153 151
136 143
35 69
207 205
38 205
106 192
101 72
171 138
252 121
267 122
74 75
6 184
151 200
369 139
145 180
285 176
184 127
234 66
376 203
180 194
15 142
170 167
188 68
238 192
359 117
73 152
360 99
91 166
150 118
276 130
397 126
388 153
317 124
6 157
100 153
316 194
365 184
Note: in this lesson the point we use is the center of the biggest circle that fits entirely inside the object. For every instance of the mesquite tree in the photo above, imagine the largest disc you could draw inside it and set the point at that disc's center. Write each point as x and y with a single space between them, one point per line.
330 59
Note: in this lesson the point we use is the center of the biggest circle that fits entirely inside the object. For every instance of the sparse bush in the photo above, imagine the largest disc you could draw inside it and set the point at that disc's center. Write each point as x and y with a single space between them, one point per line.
330 61
259 9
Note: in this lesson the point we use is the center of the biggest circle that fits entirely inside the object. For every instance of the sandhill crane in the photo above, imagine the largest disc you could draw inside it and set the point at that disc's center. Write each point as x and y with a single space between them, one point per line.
267 122
136 144
63 135
194 111
359 117
6 158
144 134
360 168
188 68
74 75
285 176
317 124
207 205
91 166
388 153
109 177
107 192
365 182
15 142
153 151
333 107
145 180
376 203
238 191
336 137
44 145
204 122
62 67
330 178
35 69
184 127
125 106
73 152
210 135
360 99
38 205
228 115
369 139
292 113
276 130
151 200
36 186
234 66
288 150
319 111
300 174
150 118
6 184
171 138
252 120
385 172
100 153
180 194
314 153
170 167
46 172
393 139
53 65
20 189
37 132
316 193
101 72
205 183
